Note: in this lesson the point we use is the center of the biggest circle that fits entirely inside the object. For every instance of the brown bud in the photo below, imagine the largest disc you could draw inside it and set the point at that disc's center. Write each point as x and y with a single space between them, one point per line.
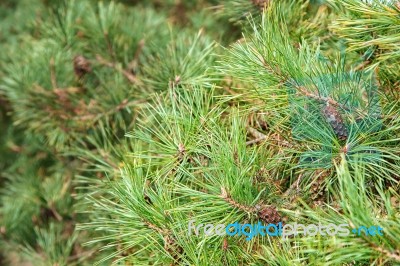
225 244
81 66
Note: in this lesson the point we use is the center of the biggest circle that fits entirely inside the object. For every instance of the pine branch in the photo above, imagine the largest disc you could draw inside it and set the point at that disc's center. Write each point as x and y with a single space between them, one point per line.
224 195
261 137
135 61
329 100
124 104
128 75
395 255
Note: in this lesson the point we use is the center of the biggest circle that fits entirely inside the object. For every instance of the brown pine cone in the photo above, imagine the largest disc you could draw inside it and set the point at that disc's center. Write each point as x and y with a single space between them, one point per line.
317 194
334 118
269 215
81 66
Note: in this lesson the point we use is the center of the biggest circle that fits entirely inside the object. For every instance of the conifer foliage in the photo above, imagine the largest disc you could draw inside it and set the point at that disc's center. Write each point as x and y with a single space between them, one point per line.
124 122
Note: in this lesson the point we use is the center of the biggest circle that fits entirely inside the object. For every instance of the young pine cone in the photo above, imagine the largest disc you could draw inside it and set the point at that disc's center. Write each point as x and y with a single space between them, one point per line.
81 66
317 194
269 214
334 118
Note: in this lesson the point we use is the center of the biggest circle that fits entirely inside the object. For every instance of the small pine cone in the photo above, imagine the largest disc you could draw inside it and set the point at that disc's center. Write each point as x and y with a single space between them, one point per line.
269 214
334 118
317 195
261 3
81 66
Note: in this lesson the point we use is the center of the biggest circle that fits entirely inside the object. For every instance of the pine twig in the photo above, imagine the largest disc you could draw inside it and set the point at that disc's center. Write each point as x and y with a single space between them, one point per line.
170 243
393 255
109 45
329 100
260 137
128 75
224 195
154 227
133 64
55 212
78 256
53 74
125 103
362 65
257 135
254 141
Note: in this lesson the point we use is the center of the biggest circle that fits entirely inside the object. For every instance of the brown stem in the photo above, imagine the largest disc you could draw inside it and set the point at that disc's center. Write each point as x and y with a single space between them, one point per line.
256 134
125 103
393 255
109 45
156 228
106 158
329 100
362 65
53 74
254 141
260 137
128 75
86 254
55 212
228 198
133 64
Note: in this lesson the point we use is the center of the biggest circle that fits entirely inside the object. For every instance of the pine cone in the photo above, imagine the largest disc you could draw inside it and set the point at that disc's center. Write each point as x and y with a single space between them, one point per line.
261 3
317 194
81 66
334 118
269 214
